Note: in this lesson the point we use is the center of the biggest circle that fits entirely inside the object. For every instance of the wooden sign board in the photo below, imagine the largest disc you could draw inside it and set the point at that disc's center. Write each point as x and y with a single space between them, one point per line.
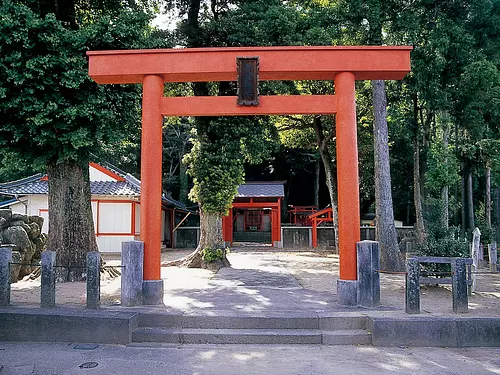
248 81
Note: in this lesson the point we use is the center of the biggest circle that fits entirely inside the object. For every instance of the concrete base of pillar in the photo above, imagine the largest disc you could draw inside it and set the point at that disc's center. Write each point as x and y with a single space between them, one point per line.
278 244
347 292
152 292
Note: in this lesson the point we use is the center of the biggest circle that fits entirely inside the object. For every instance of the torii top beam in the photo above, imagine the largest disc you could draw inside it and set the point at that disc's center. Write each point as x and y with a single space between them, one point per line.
276 63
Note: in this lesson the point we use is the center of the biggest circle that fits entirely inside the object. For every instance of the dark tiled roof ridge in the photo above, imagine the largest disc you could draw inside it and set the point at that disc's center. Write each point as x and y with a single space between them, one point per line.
22 181
274 189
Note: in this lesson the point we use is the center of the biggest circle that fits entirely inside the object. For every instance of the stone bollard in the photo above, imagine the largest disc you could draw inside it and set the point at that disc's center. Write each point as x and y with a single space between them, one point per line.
368 256
493 256
5 259
459 285
412 301
132 273
93 280
48 279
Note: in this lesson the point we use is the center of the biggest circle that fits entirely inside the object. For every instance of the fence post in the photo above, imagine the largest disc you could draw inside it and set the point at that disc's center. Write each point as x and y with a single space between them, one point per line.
492 255
412 301
459 285
93 280
132 273
5 259
368 257
48 279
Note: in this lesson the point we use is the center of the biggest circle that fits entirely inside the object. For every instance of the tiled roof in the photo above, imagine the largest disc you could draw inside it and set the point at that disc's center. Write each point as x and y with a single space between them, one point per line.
28 185
261 189
114 188
96 188
130 187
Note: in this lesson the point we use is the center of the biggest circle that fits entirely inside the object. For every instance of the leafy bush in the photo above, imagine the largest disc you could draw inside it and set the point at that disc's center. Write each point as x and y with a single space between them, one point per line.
487 231
211 255
441 241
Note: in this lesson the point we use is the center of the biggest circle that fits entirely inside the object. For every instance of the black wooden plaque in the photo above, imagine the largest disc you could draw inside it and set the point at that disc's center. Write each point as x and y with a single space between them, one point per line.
248 80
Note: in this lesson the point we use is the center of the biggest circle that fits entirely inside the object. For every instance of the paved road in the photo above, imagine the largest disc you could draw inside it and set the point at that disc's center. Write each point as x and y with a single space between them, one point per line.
68 359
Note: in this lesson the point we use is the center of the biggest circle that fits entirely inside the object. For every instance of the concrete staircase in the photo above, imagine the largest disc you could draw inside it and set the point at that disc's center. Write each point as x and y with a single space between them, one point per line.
174 329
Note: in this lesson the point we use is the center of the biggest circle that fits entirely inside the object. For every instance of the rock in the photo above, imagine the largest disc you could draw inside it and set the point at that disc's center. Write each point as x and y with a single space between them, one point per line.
24 233
35 231
20 223
40 245
16 217
15 268
36 219
5 213
18 236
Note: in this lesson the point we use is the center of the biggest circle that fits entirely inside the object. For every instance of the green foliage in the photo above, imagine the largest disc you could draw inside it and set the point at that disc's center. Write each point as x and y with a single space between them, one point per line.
210 255
220 148
487 231
442 241
51 110
443 168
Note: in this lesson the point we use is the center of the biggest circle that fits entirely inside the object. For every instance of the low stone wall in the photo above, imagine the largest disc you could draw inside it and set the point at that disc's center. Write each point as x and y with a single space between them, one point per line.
24 232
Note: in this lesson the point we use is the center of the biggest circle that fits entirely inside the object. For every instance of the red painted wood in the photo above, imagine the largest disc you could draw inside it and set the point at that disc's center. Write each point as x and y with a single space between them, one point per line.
151 176
269 105
347 175
276 63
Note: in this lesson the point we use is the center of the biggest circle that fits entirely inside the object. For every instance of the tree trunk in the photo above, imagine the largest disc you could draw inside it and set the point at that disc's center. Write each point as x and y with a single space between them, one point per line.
445 189
496 212
211 239
331 183
463 228
330 172
470 203
71 228
487 199
317 170
385 232
183 178
420 232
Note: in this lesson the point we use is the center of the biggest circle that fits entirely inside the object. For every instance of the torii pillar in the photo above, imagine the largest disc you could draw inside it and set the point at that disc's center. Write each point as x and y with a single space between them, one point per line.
342 64
347 181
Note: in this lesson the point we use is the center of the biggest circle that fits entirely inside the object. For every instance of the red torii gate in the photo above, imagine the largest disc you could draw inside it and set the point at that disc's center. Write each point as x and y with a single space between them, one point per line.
343 65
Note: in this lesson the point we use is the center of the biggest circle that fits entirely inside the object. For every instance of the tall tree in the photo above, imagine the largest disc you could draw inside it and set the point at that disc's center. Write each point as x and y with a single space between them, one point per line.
53 115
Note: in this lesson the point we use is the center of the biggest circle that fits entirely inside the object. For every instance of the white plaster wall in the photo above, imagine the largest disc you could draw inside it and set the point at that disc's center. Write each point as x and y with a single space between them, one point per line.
137 218
94 215
115 217
112 244
96 175
18 208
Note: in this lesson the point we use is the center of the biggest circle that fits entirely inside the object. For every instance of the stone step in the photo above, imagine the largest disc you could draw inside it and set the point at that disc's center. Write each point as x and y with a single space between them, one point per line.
249 336
328 323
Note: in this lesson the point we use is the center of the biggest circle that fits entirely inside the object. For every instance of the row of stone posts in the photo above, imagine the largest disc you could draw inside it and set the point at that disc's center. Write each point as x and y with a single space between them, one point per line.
131 279
48 278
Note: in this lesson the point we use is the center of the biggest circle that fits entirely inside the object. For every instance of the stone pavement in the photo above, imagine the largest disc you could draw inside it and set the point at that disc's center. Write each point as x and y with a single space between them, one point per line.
71 359
253 284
